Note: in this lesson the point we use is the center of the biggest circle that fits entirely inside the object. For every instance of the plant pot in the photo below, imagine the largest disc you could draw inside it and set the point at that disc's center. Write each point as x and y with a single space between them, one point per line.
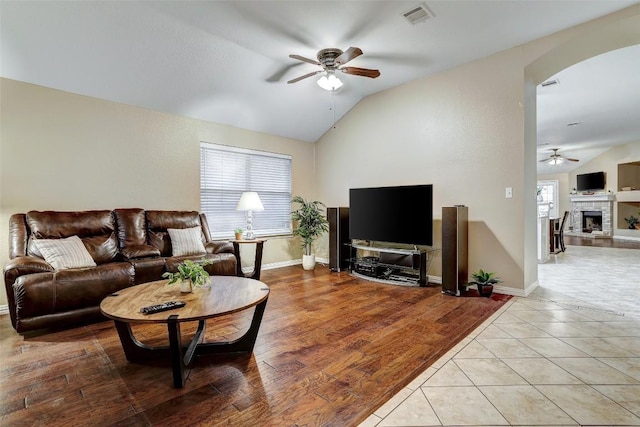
485 290
308 262
186 286
238 236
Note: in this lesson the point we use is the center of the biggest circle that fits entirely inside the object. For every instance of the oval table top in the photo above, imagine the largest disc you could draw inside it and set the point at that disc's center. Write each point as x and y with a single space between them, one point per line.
225 295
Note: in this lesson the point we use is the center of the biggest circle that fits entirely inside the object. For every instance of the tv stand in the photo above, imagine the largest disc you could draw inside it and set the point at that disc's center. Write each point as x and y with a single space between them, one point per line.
389 265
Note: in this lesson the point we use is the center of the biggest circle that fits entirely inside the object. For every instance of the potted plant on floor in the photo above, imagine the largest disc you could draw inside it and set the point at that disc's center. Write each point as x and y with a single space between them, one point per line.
312 222
189 274
484 280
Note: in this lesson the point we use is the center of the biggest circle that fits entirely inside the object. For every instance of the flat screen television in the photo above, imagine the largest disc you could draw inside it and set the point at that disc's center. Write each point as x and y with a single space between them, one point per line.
401 214
590 181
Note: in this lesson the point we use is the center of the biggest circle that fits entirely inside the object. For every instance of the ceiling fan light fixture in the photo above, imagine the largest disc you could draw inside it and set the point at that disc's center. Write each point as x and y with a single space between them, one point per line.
555 161
330 82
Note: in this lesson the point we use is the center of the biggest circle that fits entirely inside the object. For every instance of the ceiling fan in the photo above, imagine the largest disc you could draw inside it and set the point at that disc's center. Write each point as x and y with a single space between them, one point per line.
556 159
331 60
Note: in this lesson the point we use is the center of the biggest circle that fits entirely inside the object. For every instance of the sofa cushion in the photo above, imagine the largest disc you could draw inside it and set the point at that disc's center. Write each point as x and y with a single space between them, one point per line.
186 241
103 249
55 225
158 222
96 229
140 251
132 227
221 264
65 253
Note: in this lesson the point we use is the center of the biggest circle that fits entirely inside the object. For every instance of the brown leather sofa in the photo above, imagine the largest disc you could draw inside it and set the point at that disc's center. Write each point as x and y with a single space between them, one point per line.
129 246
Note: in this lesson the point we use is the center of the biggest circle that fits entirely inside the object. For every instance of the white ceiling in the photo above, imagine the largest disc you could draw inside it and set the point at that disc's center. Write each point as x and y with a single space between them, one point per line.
602 95
227 61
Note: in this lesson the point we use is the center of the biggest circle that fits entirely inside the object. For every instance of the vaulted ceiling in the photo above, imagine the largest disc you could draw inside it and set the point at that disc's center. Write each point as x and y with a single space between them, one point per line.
228 61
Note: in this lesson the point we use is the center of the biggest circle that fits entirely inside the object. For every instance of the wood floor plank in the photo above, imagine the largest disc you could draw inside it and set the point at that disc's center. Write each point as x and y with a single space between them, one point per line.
331 349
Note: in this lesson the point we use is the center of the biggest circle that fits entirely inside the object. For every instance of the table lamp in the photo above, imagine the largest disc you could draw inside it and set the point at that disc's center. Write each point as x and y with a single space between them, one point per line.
250 201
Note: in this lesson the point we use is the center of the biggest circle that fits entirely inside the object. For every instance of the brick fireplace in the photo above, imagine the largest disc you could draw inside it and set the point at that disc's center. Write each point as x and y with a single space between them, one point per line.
591 215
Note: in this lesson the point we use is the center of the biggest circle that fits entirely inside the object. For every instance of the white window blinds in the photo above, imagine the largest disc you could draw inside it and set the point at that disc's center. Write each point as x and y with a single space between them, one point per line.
226 172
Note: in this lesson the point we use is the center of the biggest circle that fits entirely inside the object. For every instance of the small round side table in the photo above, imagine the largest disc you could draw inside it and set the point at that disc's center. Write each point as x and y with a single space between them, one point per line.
257 263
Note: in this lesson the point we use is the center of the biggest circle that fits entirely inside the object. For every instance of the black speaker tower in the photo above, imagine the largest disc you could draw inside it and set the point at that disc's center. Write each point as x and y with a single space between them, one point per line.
338 238
455 248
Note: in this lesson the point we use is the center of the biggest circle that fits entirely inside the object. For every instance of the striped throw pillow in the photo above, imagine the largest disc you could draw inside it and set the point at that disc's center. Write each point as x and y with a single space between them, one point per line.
186 241
65 253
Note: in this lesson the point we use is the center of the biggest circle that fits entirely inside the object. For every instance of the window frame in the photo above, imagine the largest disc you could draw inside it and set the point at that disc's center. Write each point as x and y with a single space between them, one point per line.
273 185
554 211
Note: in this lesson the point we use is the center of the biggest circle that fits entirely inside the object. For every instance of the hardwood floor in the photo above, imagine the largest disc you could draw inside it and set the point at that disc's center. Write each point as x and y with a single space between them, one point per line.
331 350
601 242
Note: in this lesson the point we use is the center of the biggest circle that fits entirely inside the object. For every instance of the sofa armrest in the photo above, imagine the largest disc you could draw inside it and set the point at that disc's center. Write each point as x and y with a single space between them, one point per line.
140 251
24 265
219 247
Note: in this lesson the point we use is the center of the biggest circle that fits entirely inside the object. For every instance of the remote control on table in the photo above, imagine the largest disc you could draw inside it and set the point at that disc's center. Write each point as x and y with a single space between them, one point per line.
156 308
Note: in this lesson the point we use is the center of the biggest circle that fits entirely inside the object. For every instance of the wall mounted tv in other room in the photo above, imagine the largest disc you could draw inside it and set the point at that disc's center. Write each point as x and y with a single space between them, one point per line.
401 214
590 181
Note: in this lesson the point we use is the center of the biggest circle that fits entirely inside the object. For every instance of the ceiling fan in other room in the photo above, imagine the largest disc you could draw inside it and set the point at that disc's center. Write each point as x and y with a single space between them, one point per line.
332 60
556 159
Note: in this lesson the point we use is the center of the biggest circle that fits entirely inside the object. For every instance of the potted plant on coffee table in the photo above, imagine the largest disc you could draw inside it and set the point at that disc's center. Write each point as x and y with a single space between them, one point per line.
312 222
189 274
484 280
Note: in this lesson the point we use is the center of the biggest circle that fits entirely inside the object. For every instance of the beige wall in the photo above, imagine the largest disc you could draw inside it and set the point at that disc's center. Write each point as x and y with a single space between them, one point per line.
62 151
469 131
460 131
608 162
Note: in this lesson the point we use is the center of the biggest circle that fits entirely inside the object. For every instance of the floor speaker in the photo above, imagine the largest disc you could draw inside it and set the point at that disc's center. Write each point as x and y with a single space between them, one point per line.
338 238
455 247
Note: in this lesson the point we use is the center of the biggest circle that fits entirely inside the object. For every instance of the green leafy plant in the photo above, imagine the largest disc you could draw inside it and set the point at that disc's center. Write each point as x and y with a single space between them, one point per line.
632 221
312 222
238 230
482 277
190 270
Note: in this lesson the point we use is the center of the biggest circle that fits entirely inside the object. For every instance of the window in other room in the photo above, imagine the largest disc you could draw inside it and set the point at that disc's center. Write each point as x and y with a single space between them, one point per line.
548 195
226 172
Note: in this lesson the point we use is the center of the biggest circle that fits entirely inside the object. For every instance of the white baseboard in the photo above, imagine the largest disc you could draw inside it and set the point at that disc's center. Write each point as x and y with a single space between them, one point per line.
515 292
636 239
289 263
4 309
435 279
273 265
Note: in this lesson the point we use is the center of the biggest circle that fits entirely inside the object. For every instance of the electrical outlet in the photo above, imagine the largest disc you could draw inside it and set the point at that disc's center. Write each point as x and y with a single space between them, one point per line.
508 192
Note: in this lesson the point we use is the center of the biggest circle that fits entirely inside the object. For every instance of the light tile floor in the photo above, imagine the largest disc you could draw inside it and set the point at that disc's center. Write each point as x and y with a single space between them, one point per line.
569 354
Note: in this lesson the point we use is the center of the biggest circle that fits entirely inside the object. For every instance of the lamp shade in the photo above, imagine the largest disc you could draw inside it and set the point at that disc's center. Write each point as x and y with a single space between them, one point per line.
250 201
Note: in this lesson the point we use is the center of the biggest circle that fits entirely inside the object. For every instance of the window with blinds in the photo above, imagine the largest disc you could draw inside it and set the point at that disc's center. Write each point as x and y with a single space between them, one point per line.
226 172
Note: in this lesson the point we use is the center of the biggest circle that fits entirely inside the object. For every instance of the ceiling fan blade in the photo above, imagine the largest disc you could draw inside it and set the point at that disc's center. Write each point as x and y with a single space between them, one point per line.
571 160
348 55
361 72
297 79
302 58
545 160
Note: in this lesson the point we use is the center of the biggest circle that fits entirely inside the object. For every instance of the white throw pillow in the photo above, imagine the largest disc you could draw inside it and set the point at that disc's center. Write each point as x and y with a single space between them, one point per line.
186 241
65 253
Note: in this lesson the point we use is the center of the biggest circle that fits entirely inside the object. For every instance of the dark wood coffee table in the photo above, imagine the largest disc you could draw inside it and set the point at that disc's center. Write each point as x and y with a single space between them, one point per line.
225 295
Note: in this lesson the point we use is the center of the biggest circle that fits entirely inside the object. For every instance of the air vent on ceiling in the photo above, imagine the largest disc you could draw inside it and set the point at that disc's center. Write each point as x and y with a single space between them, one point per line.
549 83
418 14
573 124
